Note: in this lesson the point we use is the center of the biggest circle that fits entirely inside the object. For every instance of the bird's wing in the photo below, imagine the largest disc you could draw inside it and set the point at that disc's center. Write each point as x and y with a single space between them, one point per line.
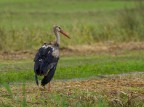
44 59
42 52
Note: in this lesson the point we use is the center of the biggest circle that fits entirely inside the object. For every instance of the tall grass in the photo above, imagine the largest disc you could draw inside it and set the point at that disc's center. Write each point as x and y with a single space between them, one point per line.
132 24
128 26
20 39
15 101
84 27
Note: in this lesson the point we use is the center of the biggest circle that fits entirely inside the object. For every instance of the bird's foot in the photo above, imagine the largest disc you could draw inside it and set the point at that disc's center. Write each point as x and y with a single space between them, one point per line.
42 88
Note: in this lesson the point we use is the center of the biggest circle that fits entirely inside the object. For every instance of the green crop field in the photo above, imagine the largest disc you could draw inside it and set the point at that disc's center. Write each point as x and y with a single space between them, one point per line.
43 14
27 24
102 65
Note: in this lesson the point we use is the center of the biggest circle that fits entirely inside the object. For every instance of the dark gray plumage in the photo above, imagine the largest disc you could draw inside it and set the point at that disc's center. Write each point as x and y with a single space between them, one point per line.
47 57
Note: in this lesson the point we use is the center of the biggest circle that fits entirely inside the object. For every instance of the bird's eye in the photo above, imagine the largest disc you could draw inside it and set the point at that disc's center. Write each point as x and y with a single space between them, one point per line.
59 27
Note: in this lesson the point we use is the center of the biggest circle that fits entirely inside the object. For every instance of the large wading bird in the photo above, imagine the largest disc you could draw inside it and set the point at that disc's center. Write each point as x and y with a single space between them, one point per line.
47 57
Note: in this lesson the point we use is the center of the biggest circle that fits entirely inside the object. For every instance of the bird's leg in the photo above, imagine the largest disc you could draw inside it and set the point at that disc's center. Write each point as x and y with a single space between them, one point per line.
49 86
42 88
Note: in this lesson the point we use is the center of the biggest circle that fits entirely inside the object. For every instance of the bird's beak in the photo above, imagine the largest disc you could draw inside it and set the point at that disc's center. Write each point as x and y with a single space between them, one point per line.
65 34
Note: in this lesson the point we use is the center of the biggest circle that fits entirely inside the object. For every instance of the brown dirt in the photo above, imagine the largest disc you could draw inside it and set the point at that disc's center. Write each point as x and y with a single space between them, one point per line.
109 47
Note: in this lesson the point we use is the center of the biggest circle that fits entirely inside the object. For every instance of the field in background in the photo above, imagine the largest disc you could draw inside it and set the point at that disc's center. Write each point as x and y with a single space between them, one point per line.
25 25
44 14
100 66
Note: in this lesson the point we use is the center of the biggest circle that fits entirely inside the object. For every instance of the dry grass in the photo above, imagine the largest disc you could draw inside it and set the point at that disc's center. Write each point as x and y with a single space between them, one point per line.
108 47
125 90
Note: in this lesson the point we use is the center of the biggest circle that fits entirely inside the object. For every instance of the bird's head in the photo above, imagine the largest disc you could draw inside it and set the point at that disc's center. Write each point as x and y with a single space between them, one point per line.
59 29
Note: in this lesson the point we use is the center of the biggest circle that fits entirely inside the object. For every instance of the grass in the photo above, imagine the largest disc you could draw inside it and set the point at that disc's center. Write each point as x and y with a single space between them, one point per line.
25 25
114 91
18 14
75 66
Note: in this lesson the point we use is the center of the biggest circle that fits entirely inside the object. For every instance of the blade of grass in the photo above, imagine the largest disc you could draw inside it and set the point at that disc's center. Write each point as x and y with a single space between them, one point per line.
7 87
24 104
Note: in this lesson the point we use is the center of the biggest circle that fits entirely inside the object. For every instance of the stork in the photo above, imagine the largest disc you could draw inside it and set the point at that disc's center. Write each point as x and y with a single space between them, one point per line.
46 59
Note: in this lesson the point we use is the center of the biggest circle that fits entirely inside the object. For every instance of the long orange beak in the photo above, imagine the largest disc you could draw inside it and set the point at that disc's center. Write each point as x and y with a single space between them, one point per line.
65 34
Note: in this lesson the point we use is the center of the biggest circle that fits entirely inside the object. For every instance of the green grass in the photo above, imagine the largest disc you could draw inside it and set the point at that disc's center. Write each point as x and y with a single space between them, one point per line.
35 13
44 14
75 67
25 25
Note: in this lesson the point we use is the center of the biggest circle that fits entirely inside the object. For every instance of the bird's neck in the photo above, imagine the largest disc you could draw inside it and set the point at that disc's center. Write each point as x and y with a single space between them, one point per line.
57 37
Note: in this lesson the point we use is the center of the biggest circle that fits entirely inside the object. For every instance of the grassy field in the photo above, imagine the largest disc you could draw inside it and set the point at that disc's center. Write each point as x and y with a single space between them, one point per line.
25 25
100 66
43 14
79 81
75 66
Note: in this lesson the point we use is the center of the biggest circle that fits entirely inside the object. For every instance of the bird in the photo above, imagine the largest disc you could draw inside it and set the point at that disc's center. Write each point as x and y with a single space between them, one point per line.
47 57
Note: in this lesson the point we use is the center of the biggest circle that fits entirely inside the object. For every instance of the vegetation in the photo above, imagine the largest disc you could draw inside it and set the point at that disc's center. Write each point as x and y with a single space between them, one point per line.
83 79
75 67
25 25
113 91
